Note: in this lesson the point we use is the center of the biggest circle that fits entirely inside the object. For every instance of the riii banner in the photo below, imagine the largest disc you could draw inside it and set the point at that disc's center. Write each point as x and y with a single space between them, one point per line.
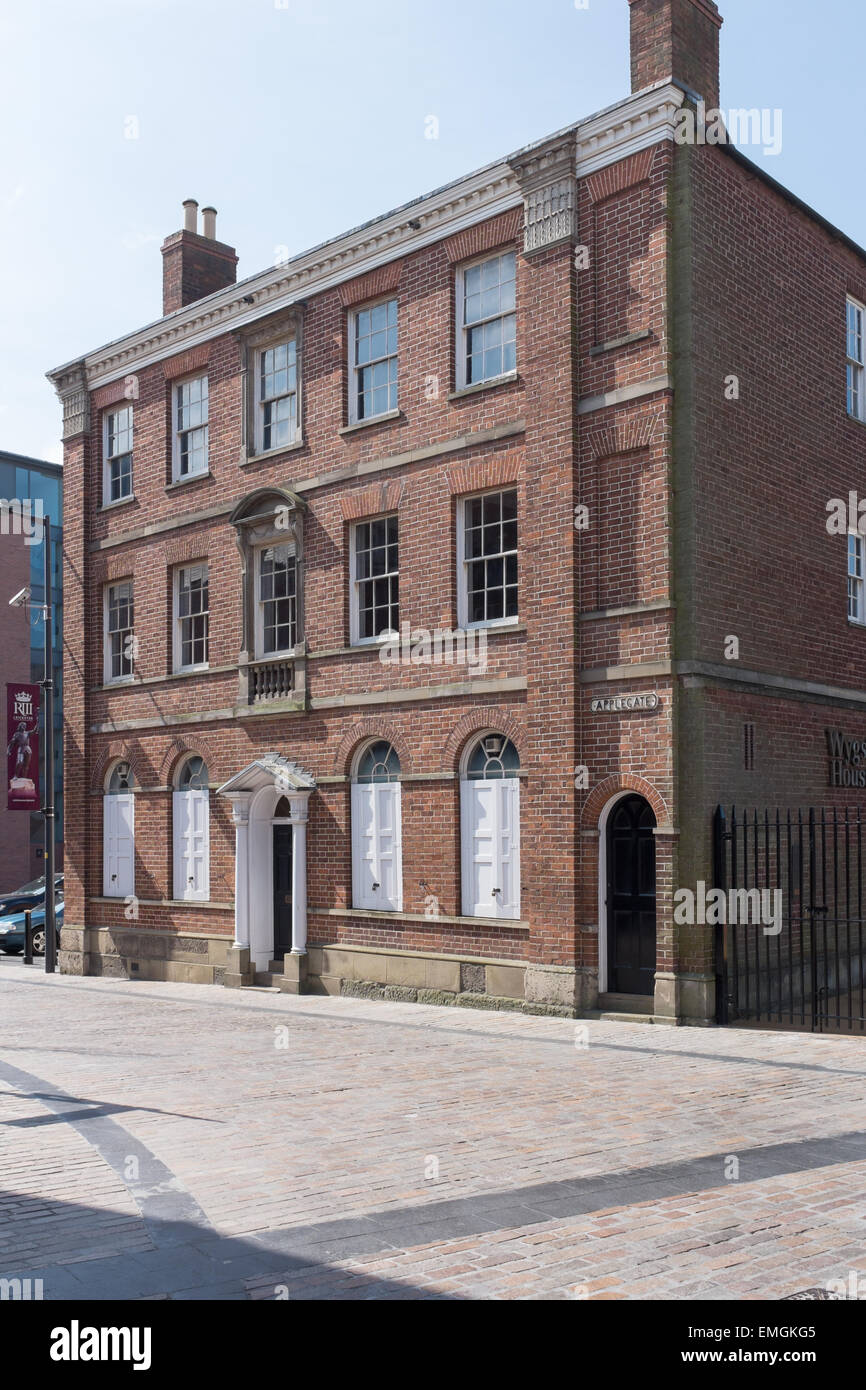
22 747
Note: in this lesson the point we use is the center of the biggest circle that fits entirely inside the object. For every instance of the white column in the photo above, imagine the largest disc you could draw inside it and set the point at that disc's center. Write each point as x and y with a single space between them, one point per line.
241 818
300 812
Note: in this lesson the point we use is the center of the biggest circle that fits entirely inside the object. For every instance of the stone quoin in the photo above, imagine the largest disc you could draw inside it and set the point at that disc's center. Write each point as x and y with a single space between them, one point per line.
400 427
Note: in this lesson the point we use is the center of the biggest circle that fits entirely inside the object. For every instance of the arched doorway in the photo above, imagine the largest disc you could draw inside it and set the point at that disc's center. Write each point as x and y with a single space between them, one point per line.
631 897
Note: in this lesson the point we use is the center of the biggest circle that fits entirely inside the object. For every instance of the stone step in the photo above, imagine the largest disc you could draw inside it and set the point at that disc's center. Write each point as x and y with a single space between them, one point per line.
626 1003
265 980
606 1017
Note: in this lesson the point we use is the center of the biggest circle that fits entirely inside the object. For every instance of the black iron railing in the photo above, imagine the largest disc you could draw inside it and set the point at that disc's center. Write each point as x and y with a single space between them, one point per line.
791 948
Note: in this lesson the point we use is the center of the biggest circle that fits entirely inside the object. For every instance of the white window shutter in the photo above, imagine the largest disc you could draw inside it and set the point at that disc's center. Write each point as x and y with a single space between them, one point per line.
490 844
191 836
377 875
509 847
118 845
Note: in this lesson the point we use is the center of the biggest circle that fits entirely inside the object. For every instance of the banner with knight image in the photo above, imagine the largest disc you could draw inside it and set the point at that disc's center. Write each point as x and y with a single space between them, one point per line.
22 747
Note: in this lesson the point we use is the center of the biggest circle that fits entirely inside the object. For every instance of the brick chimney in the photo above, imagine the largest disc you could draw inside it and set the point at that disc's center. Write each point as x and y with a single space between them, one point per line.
676 40
194 265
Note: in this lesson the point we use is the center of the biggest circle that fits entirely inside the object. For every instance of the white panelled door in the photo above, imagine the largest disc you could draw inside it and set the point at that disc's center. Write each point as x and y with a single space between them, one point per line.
377 871
118 846
490 833
191 831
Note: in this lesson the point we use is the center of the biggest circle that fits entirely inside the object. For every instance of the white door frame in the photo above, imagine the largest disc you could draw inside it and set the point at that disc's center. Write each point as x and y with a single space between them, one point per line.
603 928
254 871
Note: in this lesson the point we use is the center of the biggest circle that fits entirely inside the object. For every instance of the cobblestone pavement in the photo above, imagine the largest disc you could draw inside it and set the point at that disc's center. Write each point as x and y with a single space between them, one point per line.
188 1142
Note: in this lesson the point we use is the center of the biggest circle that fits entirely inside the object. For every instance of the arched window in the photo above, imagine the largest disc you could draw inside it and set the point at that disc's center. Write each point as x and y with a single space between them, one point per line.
283 809
490 828
492 758
377 868
191 831
118 833
378 763
120 780
193 776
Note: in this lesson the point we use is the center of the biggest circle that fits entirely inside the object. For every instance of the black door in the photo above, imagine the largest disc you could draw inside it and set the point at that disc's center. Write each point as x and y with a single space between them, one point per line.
282 891
631 898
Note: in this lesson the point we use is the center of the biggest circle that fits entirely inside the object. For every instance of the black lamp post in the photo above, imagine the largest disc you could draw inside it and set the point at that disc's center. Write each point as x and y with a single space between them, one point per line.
48 808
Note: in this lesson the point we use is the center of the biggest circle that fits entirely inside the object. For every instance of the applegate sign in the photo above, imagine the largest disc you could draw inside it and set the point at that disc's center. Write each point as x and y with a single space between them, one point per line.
847 760
625 704
22 747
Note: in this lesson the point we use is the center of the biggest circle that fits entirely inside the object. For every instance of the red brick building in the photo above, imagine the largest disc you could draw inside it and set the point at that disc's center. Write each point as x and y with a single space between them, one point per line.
557 425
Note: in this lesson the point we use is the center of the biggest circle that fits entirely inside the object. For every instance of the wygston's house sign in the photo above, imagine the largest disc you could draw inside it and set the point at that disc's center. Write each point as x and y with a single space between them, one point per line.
847 760
625 704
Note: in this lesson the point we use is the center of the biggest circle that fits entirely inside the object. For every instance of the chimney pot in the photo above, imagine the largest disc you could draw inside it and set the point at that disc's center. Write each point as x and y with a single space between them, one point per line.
195 266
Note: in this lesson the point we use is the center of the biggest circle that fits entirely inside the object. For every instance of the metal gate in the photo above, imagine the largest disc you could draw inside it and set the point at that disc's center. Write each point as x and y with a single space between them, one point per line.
790 940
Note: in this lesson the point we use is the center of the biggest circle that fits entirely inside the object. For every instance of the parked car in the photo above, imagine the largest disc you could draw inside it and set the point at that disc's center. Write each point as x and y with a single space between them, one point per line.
31 895
12 930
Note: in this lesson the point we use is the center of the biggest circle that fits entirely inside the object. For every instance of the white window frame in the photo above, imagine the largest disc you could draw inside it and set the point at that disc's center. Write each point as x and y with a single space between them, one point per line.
857 582
355 369
117 806
176 432
855 367
184 802
108 459
463 563
177 650
108 677
258 602
364 794
289 340
355 582
504 789
462 344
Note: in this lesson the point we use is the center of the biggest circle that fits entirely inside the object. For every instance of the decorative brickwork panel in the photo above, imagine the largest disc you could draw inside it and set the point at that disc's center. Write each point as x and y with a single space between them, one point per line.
485 236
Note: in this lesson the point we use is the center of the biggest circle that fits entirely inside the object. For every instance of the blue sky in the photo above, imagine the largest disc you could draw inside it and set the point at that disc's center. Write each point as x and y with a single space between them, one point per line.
299 119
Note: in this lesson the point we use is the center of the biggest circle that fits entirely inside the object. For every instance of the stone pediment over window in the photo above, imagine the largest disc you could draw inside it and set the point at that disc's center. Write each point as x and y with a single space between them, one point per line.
270 513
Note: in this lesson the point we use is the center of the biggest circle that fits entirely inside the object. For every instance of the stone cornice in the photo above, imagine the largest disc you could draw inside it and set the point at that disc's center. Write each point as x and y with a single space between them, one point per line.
630 125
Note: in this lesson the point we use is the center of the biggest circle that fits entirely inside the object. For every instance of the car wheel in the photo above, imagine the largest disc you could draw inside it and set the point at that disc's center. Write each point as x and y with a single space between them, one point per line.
39 941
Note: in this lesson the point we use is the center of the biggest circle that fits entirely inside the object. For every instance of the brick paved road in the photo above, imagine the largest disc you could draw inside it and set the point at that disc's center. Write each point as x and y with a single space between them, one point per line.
175 1140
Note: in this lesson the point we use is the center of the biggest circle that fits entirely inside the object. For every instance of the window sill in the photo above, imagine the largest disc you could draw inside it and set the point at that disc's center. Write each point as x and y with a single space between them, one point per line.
374 420
373 647
498 625
166 902
508 380
855 419
513 923
185 482
267 455
121 502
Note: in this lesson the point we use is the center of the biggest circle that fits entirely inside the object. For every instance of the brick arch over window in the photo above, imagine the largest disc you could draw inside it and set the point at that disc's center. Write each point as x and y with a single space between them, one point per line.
601 795
119 750
362 732
502 720
178 750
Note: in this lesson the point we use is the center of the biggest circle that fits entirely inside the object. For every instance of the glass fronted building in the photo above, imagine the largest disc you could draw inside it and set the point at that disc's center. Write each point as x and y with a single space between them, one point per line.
22 644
